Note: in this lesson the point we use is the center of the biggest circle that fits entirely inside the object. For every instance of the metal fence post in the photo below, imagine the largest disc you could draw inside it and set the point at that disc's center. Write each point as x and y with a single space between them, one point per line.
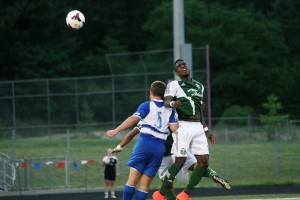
227 153
67 159
24 170
249 124
276 152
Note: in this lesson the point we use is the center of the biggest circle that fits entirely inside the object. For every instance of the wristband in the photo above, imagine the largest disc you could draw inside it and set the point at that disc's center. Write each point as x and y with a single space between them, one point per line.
172 103
205 129
119 148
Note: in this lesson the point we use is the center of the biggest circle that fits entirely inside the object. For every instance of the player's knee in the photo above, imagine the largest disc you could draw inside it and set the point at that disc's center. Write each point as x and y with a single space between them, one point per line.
180 162
192 167
179 165
203 165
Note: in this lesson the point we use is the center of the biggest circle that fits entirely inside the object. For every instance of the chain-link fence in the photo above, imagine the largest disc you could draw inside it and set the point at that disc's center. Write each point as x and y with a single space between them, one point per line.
48 106
57 126
246 154
7 172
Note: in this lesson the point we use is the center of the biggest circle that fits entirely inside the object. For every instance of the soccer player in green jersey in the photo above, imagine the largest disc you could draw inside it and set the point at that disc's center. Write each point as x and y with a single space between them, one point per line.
186 96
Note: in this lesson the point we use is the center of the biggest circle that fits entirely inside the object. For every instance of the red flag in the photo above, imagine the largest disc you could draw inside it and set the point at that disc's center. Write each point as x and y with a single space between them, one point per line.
60 165
24 165
91 161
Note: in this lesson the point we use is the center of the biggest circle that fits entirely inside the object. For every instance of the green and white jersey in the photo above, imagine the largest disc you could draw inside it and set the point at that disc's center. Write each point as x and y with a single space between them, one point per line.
189 92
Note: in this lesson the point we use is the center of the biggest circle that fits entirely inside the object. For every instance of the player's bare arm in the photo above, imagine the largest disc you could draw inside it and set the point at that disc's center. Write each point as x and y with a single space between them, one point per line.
173 127
129 122
203 105
169 103
211 137
126 140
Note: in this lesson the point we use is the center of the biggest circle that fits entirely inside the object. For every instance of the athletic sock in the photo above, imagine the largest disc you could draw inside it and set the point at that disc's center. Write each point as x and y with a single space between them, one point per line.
128 192
209 173
105 194
141 195
112 194
169 178
194 179
170 195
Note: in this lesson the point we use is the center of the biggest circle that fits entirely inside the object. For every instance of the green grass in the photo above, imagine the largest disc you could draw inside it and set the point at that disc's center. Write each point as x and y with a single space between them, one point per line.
249 163
272 196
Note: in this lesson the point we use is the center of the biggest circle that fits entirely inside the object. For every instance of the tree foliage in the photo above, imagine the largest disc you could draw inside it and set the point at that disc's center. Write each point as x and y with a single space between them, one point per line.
254 44
249 56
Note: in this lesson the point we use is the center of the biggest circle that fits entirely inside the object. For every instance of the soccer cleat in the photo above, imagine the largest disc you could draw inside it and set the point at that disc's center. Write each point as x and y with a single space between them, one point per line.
225 183
183 196
158 196
113 196
106 196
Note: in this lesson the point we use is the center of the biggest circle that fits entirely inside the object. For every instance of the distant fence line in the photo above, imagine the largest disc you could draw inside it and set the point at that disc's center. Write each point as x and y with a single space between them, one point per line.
100 100
273 151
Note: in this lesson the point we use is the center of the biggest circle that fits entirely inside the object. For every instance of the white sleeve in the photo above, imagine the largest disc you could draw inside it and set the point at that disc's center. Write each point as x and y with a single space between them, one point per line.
104 158
171 89
202 89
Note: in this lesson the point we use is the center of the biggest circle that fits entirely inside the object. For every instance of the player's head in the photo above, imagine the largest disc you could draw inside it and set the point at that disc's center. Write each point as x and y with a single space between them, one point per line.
158 88
177 63
181 69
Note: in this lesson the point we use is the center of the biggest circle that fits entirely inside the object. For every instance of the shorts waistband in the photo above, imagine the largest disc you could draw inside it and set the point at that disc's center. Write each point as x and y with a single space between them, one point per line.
145 135
190 118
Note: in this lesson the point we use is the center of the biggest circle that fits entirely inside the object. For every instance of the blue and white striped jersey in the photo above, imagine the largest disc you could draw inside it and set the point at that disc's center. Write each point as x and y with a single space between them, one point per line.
155 118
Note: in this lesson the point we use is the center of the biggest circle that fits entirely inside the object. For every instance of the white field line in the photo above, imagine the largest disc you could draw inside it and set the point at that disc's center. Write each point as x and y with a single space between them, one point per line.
296 198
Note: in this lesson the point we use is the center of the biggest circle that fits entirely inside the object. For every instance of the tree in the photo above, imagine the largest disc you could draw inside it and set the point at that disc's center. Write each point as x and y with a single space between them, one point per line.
248 53
37 43
286 12
272 118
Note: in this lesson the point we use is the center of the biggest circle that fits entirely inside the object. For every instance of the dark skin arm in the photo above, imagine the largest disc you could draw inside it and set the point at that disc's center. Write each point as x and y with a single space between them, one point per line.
208 134
167 101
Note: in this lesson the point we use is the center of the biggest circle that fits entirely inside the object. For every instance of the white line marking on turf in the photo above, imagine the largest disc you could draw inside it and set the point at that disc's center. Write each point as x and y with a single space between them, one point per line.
297 198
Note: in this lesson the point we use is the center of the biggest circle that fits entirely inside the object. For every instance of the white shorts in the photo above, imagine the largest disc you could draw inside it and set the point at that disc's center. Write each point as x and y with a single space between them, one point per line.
190 137
169 160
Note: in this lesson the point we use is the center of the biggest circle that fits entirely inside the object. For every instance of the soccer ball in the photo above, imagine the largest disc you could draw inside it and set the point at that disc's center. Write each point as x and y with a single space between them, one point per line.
75 19
106 160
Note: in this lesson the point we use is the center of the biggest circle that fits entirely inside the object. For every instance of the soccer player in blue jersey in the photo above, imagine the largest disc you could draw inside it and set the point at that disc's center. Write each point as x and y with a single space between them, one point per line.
148 152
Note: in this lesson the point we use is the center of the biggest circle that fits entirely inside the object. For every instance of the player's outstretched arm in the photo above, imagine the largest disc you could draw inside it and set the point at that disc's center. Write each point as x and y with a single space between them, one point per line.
130 121
126 139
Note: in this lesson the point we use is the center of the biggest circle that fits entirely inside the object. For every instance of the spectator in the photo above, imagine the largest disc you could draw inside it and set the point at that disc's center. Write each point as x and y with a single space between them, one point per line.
111 171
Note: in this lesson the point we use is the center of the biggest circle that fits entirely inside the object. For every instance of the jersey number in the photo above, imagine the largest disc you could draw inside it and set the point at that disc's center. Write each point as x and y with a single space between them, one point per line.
159 121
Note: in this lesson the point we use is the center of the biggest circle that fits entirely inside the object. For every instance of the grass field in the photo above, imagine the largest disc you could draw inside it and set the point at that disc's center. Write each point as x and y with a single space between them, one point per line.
254 197
92 196
242 162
